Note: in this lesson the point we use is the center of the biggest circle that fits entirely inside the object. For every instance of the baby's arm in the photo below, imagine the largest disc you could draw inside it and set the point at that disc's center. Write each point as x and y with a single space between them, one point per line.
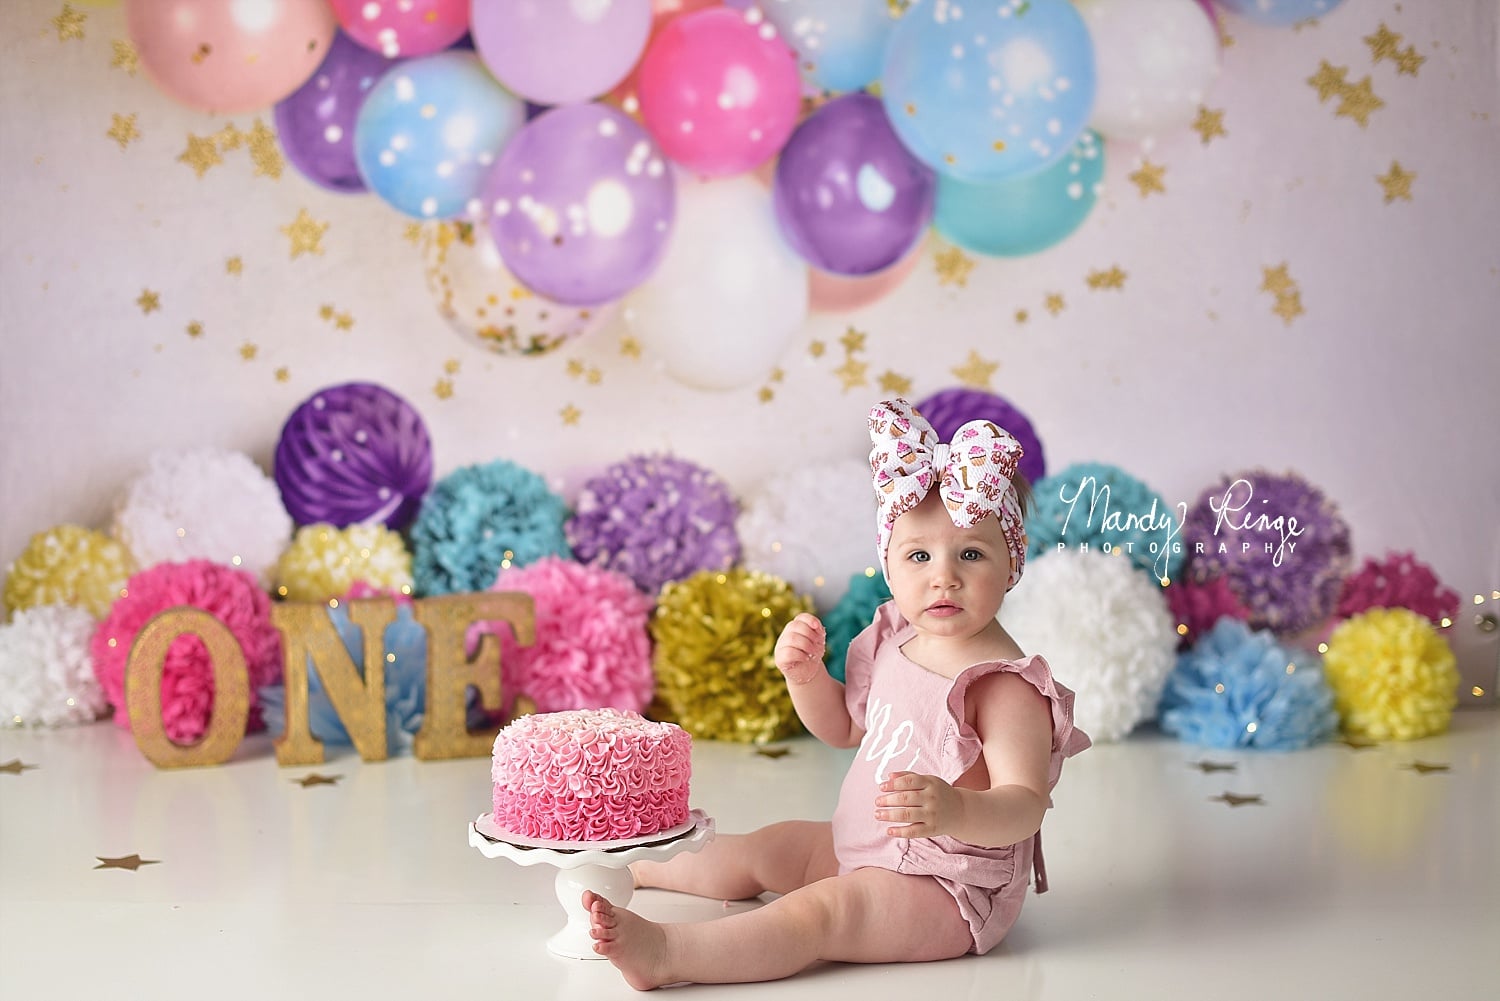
817 697
1014 722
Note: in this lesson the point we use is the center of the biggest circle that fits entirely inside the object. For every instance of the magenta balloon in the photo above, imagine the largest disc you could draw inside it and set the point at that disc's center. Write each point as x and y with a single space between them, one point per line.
581 204
557 52
849 197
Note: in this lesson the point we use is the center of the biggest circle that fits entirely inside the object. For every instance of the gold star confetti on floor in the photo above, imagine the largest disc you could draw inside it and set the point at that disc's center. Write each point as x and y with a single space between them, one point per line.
443 389
1055 303
283 374
853 340
1384 44
1409 61
953 266
306 234
630 347
248 351
1148 177
1425 768
1114 278
314 779
69 24
195 329
890 382
1358 743
1209 767
1234 800
1397 182
1277 279
570 415
852 373
816 349
201 154
1209 124
234 266
149 301
975 371
15 766
130 862
1288 306
773 752
265 154
122 129
1329 80
1359 103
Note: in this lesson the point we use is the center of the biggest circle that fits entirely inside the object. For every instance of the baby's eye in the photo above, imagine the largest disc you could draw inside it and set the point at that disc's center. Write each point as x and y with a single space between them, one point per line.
919 556
970 555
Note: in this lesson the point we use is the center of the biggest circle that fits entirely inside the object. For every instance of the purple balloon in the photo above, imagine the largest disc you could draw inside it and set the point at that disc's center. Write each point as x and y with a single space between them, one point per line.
315 125
581 204
849 197
354 453
950 409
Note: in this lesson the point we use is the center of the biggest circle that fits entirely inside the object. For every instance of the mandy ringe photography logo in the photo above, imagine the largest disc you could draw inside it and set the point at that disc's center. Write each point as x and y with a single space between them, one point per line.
1088 507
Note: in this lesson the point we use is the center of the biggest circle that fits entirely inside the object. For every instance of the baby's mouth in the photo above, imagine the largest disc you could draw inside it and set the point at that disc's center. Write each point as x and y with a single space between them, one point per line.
943 607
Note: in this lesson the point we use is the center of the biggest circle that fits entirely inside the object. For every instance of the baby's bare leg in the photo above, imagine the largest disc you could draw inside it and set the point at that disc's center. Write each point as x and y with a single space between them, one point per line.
779 858
866 916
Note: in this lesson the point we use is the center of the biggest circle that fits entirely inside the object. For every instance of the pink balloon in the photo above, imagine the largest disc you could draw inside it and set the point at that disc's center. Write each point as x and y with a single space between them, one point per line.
719 90
625 95
831 293
229 58
403 27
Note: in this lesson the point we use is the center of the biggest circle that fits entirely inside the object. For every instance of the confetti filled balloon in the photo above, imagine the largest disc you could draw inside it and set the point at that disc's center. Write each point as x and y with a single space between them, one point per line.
1279 13
351 453
488 306
1001 92
581 204
848 196
403 27
229 58
719 91
1156 61
315 125
840 43
430 131
557 53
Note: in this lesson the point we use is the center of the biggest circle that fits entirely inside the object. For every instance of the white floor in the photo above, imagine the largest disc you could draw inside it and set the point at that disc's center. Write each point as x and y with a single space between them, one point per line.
1354 876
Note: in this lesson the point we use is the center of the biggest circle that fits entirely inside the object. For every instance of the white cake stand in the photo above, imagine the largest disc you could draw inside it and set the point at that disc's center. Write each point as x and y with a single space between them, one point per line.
589 865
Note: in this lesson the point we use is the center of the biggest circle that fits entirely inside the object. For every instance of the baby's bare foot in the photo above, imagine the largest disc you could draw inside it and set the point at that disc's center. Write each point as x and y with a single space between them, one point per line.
634 945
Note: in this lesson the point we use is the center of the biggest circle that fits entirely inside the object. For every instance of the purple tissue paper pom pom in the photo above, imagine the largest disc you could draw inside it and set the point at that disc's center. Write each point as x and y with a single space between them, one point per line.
950 409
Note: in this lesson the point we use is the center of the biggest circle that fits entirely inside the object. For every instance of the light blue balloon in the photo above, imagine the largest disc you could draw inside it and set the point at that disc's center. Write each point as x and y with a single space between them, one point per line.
1279 12
429 132
1000 92
1026 214
840 43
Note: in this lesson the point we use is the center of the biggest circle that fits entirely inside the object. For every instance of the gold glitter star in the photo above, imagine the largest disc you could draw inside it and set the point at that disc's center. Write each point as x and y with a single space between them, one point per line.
201 154
1359 102
1358 743
1113 278
1409 61
1234 800
765 394
975 371
265 154
130 862
1288 306
443 389
283 374
1148 177
125 57
1209 123
234 266
229 138
777 374
1022 316
1055 303
575 368
148 301
853 340
570 415
1397 183
630 347
314 779
1209 767
953 266
1424 768
248 351
451 366
326 311
593 377
15 766
306 234
122 129
1329 80
343 322
412 232
816 349
773 752
195 329
1383 44
69 24
1277 279
890 382
852 373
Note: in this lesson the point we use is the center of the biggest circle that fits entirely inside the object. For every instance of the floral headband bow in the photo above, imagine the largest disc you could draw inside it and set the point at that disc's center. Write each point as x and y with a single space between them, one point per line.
973 475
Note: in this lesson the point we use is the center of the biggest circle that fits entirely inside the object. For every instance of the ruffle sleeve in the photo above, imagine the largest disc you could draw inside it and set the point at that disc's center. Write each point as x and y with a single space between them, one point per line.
860 659
1067 739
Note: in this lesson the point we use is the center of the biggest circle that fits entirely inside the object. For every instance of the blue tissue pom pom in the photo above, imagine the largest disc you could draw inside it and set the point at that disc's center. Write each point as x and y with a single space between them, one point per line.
855 611
1126 513
481 519
1273 697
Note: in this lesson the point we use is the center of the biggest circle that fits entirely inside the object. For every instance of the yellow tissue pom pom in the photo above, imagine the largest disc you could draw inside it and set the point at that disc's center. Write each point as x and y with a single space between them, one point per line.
324 562
715 635
68 565
1393 677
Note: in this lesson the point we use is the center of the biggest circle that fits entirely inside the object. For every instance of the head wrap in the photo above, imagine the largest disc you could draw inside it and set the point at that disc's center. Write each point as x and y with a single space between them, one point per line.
972 474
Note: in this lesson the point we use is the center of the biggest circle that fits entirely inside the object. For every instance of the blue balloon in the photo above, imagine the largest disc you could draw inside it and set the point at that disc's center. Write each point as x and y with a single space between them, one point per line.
840 43
1027 214
1002 91
1279 12
429 132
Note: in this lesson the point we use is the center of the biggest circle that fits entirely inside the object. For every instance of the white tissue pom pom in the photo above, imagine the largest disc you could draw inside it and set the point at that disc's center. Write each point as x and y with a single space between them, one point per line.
204 503
812 527
46 675
1105 630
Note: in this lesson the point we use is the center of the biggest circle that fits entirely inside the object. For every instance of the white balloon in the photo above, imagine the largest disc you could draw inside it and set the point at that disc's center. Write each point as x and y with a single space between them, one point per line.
1156 61
730 293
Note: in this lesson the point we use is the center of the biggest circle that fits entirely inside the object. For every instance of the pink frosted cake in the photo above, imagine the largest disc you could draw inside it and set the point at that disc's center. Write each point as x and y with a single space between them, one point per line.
590 775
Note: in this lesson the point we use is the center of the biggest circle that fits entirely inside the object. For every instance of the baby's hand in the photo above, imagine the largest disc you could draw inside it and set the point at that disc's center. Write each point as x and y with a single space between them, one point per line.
799 650
925 804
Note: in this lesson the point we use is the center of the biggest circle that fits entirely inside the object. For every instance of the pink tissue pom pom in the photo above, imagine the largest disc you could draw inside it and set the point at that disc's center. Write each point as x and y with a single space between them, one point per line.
1398 581
1199 606
592 649
231 596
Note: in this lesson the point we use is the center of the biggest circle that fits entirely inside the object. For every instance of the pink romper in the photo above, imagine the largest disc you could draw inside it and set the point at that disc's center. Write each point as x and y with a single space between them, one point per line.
914 721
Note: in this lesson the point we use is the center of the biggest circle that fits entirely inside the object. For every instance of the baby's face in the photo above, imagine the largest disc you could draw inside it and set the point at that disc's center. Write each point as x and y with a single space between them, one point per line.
946 580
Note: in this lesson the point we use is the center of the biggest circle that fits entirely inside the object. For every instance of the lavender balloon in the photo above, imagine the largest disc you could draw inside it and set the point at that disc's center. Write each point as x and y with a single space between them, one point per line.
581 204
849 197
354 453
557 52
950 409
315 125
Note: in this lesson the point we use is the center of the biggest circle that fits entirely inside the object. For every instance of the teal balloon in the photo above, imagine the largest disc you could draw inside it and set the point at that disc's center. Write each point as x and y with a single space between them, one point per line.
1025 215
1279 13
840 43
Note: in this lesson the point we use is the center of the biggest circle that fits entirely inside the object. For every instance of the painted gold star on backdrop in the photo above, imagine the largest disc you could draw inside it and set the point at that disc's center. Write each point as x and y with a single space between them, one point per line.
194 329
1209 123
765 394
15 766
852 373
777 374
1329 80
412 232
630 347
975 371
234 266
314 779
125 57
1409 61
248 351
575 368
1113 278
1425 768
853 340
1397 182
452 365
265 154
891 382
1384 44
229 138
306 234
1288 305
283 374
953 266
1234 800
1022 315
130 862
443 389
1277 279
816 349
1209 767
201 154
593 376
1055 303
344 321
69 24
149 301
122 129
1359 103
326 311
570 415
1148 177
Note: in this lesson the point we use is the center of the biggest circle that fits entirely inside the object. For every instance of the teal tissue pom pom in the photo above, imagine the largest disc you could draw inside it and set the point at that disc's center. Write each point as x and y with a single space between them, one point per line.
1105 507
851 615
